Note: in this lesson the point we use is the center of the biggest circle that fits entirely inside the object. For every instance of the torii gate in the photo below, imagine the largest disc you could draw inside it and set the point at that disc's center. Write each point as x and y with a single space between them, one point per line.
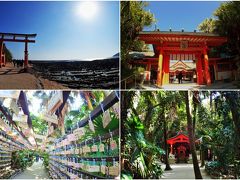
180 46
14 37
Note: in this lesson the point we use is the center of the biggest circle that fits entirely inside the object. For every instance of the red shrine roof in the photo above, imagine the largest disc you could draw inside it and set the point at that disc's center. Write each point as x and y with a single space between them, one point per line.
151 37
178 138
180 65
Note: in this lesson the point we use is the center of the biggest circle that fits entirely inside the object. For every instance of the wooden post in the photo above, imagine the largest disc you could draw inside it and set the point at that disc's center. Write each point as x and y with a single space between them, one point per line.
148 72
199 70
1 52
26 54
159 73
171 148
166 68
206 65
90 107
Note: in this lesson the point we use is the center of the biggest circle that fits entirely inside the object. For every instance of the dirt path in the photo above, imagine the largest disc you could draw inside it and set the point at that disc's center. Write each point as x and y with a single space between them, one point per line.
36 171
14 78
182 171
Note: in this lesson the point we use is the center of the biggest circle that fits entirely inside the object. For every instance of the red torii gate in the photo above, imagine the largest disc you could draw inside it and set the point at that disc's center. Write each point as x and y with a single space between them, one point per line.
14 37
181 45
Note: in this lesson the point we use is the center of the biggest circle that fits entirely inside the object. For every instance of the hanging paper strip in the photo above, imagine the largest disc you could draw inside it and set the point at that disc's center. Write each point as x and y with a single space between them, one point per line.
91 125
106 117
115 108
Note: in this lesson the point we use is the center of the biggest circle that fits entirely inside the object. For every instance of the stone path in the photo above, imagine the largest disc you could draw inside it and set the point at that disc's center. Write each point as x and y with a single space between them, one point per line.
36 171
182 171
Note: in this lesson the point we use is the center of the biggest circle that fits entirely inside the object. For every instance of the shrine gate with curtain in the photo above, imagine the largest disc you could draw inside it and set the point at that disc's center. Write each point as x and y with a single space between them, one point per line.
168 45
179 146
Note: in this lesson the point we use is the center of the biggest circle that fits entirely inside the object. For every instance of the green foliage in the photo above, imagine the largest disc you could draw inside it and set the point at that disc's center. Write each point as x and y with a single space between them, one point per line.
207 26
22 159
8 54
216 125
140 155
39 125
212 167
133 18
227 23
45 157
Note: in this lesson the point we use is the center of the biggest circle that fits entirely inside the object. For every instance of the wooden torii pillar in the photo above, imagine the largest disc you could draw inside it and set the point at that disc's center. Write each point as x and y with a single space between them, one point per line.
26 53
1 52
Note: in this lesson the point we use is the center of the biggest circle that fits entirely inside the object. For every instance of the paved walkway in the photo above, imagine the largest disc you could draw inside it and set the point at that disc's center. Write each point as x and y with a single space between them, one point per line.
36 171
189 86
182 171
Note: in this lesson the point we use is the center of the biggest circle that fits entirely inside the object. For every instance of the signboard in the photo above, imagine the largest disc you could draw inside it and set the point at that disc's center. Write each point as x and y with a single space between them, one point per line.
184 44
20 118
50 130
38 136
50 118
23 125
55 102
14 106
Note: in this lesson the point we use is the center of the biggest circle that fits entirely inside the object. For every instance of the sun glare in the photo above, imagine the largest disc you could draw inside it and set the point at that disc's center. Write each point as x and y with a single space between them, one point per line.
87 10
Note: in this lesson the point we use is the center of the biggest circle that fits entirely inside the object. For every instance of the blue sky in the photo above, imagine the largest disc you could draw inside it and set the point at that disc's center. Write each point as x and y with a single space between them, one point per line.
62 31
181 14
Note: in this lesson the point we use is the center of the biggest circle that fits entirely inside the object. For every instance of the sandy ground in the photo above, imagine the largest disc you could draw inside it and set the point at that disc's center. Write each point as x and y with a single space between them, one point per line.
182 171
36 171
14 78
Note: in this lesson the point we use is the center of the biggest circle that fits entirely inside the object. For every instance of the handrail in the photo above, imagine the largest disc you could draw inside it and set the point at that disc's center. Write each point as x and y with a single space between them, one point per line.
125 80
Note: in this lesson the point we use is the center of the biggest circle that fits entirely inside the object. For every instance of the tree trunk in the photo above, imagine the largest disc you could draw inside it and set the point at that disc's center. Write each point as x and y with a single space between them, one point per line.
197 171
167 168
234 106
202 157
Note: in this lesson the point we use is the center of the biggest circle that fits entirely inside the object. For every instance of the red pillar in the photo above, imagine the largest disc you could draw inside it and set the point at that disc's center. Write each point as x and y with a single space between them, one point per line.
199 70
159 73
206 65
166 64
1 52
26 54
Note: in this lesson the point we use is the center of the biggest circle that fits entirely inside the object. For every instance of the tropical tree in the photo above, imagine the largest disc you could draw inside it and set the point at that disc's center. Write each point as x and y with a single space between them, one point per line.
226 22
192 137
133 18
208 25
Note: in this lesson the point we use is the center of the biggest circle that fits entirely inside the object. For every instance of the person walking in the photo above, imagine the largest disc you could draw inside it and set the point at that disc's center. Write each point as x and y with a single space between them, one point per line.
180 76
